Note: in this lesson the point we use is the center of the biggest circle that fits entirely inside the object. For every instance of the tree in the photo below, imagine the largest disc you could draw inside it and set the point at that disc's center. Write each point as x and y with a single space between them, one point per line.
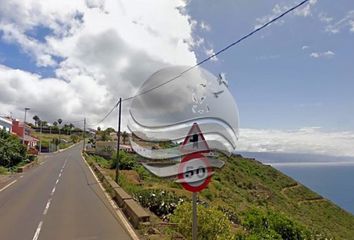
59 121
55 123
36 120
110 130
124 136
12 151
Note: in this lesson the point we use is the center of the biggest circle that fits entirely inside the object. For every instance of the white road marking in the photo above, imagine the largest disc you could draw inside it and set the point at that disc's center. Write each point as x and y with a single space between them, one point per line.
45 211
123 219
21 176
53 191
38 230
47 206
8 185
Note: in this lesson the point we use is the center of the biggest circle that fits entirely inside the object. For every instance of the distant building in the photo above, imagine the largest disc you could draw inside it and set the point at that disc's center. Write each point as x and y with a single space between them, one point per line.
18 128
6 124
107 148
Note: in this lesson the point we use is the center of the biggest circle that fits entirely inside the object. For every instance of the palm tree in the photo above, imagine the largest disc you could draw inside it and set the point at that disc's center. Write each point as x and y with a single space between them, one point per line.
36 120
124 136
59 121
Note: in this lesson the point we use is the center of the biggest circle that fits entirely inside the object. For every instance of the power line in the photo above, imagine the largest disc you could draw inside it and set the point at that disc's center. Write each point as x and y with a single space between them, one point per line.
208 58
220 51
106 116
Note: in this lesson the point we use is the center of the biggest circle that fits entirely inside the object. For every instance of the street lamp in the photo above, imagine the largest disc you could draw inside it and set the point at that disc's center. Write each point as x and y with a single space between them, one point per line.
24 126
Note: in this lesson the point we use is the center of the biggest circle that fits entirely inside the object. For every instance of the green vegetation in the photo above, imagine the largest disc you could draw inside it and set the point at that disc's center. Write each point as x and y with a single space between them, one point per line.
257 200
53 139
212 223
12 152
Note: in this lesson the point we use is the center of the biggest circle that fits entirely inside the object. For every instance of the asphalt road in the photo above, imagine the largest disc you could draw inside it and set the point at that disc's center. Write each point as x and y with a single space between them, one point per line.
60 199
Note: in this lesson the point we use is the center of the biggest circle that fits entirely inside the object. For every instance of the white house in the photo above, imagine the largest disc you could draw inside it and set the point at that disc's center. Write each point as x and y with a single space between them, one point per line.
6 124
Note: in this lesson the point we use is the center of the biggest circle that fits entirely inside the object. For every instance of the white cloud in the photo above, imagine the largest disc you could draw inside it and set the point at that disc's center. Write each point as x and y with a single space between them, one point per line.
346 22
306 140
210 52
109 48
204 26
323 17
305 47
327 54
306 10
279 8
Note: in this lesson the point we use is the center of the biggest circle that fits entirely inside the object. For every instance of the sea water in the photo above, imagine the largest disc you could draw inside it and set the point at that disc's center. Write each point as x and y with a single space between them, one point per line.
331 177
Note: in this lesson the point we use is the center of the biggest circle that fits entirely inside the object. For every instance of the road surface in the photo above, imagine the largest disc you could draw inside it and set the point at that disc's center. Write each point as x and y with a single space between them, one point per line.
58 200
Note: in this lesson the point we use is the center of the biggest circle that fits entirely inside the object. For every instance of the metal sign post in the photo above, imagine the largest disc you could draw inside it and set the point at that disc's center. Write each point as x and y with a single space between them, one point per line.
194 170
195 219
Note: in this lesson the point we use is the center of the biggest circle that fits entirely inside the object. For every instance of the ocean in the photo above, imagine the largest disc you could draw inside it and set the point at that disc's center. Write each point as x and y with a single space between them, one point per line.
331 177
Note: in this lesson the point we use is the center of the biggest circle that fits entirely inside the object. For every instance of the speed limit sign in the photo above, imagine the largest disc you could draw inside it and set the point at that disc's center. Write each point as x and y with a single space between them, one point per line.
194 172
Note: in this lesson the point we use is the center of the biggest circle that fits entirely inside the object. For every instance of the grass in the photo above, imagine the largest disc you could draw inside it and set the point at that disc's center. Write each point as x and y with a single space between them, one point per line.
245 184
48 138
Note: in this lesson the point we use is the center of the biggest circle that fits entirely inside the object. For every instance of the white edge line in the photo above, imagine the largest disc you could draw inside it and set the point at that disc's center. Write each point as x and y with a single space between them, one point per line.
114 205
38 230
8 185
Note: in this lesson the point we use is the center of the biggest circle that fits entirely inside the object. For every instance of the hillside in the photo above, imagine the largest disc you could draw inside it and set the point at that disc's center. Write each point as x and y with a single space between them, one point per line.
244 185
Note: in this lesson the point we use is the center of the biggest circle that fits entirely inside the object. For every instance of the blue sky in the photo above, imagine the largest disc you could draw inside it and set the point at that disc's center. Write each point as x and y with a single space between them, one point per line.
292 81
276 82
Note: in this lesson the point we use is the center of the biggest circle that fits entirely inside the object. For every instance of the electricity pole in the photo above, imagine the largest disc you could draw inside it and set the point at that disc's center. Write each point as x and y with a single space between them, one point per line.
118 140
40 139
83 149
24 126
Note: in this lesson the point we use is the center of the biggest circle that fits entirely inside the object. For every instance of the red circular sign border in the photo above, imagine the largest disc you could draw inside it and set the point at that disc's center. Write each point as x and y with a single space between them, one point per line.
180 175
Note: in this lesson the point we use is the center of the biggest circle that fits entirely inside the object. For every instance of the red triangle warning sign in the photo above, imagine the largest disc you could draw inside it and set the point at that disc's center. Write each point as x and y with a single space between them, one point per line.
195 141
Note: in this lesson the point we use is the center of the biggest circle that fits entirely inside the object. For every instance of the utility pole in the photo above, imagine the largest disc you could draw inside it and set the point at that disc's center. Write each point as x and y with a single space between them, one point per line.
118 140
83 149
40 139
24 126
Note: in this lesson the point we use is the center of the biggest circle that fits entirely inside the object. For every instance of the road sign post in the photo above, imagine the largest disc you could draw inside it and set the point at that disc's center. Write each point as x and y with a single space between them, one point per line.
194 171
195 217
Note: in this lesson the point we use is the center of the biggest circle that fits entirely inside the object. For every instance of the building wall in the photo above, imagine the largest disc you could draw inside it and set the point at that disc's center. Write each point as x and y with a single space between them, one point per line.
17 128
5 124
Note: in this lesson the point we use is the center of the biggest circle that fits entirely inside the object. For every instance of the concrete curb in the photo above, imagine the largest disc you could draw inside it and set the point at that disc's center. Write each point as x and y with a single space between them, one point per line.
133 211
27 166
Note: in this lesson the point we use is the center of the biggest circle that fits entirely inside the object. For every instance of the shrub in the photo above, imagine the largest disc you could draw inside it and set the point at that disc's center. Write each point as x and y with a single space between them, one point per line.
3 170
270 225
160 202
74 138
12 151
126 161
102 162
212 223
